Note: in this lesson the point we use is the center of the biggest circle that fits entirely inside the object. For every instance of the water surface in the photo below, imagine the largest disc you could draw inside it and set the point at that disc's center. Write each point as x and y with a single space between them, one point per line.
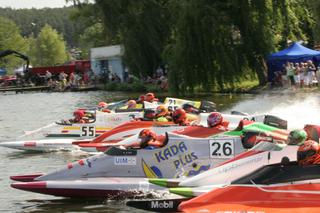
30 111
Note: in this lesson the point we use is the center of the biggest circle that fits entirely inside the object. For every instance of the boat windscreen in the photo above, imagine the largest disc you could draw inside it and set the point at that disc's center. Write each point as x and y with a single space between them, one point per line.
267 146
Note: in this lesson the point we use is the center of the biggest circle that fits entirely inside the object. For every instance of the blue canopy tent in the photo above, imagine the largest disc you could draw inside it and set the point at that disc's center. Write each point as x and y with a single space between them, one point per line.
294 53
2 72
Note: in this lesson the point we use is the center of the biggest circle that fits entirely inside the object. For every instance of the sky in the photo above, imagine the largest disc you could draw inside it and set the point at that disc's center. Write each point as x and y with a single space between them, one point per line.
19 4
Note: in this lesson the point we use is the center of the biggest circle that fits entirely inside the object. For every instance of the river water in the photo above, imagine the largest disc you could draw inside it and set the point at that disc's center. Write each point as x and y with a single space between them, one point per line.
29 111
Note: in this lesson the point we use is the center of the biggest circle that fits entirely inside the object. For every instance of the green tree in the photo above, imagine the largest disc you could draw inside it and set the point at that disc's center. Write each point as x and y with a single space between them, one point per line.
10 39
141 26
93 36
48 48
208 44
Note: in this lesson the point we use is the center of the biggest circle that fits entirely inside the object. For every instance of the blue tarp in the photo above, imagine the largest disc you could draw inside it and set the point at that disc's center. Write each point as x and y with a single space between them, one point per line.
294 53
2 72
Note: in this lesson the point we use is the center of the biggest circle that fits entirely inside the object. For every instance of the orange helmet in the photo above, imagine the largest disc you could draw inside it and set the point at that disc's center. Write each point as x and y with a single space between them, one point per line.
149 97
308 153
214 119
146 135
179 116
161 111
131 104
102 105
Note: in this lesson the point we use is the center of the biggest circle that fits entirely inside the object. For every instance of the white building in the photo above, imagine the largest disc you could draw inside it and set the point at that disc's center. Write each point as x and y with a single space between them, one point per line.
104 59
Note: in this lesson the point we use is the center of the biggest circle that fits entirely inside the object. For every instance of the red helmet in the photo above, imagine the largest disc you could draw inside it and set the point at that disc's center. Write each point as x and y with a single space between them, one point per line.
147 135
149 97
161 111
142 98
102 104
149 114
179 116
78 114
131 104
308 152
214 119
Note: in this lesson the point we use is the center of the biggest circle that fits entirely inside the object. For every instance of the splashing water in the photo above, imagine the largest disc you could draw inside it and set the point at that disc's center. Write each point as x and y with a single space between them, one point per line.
297 108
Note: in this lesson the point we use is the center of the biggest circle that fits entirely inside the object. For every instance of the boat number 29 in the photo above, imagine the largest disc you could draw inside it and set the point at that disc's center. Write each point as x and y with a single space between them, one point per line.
221 148
88 131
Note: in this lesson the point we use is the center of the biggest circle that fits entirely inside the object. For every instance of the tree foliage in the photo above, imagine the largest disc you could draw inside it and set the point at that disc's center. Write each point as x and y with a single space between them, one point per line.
207 44
48 48
31 21
10 39
141 26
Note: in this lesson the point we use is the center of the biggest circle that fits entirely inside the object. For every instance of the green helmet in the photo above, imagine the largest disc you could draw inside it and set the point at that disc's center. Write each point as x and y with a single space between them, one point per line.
297 137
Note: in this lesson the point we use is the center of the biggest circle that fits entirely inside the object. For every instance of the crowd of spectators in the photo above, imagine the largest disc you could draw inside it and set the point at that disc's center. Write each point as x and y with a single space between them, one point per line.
295 75
56 81
63 80
159 77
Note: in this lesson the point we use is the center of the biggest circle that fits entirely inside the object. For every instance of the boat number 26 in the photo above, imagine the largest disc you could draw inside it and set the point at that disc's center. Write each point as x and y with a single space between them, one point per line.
88 131
221 148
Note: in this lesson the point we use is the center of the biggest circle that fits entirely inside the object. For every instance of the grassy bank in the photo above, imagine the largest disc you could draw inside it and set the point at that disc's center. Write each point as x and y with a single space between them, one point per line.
245 86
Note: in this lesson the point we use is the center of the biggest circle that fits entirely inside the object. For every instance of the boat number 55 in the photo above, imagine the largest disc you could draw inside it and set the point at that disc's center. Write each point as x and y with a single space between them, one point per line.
88 131
221 148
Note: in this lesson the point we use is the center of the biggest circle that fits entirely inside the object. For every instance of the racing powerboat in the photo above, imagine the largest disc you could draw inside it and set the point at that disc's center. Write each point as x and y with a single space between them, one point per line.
220 176
100 122
127 129
181 156
282 187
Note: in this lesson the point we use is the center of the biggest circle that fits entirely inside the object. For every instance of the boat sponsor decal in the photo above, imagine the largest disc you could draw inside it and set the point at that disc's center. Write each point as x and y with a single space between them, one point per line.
128 161
157 171
71 128
69 165
198 170
157 204
30 144
149 172
246 162
221 148
114 119
178 151
81 162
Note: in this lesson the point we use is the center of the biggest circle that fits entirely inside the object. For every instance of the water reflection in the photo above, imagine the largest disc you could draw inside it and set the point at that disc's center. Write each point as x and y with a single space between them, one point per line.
72 205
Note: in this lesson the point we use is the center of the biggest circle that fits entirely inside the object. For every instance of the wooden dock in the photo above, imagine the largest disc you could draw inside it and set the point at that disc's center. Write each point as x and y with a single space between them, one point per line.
47 89
26 89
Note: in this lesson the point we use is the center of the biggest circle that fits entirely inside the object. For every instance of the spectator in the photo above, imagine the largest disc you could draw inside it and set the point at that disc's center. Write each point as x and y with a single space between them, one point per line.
86 78
159 72
290 73
48 75
63 80
311 72
296 73
301 74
